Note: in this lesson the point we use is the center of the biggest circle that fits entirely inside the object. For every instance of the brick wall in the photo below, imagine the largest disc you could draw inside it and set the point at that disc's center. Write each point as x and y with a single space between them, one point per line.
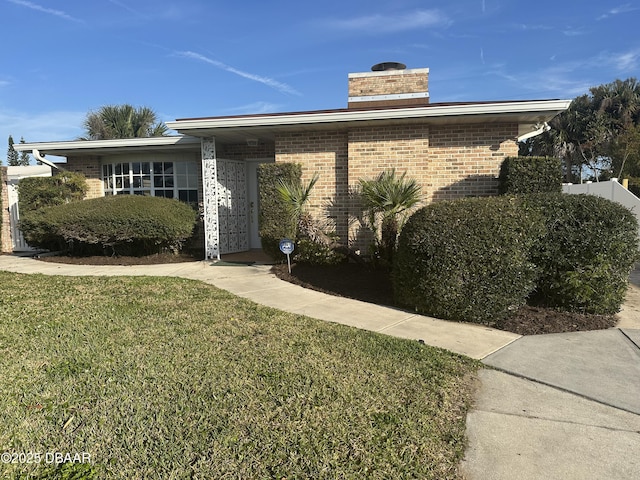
7 245
464 160
389 82
410 85
373 150
324 153
448 161
89 166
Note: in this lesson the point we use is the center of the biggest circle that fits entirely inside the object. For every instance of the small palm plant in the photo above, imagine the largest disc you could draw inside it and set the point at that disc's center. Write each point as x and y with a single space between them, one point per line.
386 200
296 196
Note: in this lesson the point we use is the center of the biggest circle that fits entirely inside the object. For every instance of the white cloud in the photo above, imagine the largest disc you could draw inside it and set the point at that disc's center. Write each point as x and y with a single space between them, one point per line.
379 23
526 27
253 108
126 7
41 127
572 32
626 61
280 86
50 11
618 10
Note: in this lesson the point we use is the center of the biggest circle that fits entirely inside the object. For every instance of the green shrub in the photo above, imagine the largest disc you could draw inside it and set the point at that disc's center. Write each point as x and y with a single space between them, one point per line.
316 253
525 175
467 260
38 192
274 220
587 253
122 224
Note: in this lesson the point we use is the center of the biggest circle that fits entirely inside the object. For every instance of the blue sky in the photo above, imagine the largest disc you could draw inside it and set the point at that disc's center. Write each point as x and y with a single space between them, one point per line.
197 58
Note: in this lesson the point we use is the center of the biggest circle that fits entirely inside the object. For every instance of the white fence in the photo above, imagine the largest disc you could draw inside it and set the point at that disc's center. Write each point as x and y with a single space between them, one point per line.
611 190
14 175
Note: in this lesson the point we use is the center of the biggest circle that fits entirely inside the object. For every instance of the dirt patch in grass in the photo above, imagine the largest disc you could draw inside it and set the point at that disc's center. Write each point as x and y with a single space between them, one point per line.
364 283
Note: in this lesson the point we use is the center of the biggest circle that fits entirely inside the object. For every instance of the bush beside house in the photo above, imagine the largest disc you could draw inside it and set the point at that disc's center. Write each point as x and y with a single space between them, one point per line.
122 224
274 220
39 192
523 175
480 259
467 260
588 250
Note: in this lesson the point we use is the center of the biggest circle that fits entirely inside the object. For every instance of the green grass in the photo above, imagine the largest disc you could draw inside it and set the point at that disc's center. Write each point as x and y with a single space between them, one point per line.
170 378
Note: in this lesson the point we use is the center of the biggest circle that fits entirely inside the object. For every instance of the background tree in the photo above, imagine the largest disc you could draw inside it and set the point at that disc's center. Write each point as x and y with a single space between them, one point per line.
122 121
625 152
596 134
12 156
25 158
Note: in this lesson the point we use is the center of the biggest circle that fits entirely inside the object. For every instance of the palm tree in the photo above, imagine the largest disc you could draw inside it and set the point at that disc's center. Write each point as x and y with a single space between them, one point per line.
296 195
385 200
122 121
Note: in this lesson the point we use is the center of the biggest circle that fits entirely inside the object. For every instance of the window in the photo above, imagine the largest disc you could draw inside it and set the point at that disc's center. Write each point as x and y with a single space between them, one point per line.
160 179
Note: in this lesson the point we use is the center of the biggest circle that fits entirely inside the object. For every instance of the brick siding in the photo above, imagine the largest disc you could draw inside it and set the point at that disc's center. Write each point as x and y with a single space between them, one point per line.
447 161
89 166
389 83
7 244
326 154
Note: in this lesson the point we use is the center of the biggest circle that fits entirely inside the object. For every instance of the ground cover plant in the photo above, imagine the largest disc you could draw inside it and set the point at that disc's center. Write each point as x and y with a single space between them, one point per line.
171 378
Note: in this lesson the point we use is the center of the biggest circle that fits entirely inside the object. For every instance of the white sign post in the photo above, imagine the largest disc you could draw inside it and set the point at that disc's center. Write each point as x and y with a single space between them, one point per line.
286 247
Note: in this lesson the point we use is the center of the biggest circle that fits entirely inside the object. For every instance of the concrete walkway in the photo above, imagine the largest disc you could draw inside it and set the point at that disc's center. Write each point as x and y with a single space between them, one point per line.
562 406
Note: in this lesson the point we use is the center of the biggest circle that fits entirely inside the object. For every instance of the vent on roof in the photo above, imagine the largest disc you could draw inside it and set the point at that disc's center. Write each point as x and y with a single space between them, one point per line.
384 66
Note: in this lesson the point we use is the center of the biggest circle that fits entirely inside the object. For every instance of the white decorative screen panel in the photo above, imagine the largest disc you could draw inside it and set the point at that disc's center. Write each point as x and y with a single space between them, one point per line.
232 206
210 201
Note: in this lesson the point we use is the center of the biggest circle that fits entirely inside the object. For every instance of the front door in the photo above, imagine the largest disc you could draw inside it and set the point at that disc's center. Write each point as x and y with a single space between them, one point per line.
232 206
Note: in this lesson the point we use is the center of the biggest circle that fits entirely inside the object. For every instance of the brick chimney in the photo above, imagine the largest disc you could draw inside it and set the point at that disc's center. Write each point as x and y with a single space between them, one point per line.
389 84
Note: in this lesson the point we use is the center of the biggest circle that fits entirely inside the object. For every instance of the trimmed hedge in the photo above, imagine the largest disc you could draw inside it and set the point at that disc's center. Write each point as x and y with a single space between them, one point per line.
274 216
121 224
587 253
527 175
467 260
39 192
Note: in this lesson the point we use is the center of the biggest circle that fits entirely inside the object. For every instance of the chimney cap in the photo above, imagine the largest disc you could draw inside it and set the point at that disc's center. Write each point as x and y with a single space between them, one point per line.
381 67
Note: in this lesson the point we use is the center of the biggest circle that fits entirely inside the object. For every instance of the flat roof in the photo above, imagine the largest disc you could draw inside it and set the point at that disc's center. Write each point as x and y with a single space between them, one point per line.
246 126
264 127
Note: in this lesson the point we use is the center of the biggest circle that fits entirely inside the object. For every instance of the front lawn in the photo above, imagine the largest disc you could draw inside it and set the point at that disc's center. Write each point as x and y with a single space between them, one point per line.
170 378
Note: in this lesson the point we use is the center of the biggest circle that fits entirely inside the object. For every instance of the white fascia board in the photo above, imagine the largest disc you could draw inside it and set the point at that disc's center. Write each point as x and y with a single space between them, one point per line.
395 96
106 144
551 107
388 73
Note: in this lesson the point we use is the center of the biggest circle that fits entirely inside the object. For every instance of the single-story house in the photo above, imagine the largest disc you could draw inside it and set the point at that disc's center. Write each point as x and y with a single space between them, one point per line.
452 149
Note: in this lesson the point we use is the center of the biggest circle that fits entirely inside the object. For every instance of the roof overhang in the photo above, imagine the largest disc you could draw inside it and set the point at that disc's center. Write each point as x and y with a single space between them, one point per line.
113 147
264 127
